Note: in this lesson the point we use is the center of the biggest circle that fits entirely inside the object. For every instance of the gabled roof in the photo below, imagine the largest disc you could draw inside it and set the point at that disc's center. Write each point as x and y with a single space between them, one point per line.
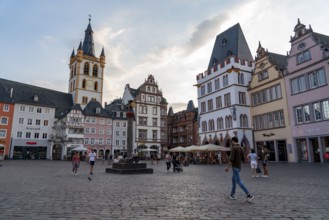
279 60
116 106
134 92
230 43
37 96
91 109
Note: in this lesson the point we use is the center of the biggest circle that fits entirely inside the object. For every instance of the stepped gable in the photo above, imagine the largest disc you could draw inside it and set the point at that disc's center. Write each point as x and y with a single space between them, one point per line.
37 96
230 43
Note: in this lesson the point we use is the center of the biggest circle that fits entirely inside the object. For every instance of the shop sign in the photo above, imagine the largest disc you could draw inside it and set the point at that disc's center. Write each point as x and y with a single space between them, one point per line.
31 143
34 129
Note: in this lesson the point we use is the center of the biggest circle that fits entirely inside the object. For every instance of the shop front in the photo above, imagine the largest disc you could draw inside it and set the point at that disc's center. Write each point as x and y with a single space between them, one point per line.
277 150
29 150
313 149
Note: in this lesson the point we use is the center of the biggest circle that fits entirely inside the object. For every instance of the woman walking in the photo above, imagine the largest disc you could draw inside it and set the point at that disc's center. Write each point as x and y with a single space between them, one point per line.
75 163
168 161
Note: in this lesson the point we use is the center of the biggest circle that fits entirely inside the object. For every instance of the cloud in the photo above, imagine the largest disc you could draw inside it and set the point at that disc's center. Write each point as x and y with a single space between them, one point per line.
205 32
45 41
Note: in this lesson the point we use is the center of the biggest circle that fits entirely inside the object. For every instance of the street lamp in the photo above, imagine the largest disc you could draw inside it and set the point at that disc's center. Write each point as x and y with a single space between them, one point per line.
233 112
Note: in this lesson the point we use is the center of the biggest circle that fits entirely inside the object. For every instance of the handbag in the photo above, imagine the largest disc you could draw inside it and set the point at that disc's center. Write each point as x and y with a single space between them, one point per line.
258 170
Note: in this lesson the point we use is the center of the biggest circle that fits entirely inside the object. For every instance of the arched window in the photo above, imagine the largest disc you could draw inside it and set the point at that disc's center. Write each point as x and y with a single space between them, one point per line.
96 86
95 70
72 71
243 121
83 83
86 68
75 69
220 123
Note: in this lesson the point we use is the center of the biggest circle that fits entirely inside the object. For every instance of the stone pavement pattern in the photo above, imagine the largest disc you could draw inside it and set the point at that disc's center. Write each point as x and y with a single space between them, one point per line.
48 190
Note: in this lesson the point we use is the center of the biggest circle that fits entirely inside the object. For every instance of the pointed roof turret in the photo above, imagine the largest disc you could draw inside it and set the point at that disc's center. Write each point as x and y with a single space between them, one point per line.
170 111
190 106
300 30
230 43
88 42
73 54
80 46
103 53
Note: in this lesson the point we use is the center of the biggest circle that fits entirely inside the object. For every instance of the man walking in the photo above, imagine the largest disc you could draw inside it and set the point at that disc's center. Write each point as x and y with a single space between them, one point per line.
236 157
92 158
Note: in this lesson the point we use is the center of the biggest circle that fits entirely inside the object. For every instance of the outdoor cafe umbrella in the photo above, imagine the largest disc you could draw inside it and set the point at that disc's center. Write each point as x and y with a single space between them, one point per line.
214 147
80 148
146 150
177 149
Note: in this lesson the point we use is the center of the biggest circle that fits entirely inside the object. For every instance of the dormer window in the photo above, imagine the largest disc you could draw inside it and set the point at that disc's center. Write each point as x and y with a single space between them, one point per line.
224 42
98 110
36 98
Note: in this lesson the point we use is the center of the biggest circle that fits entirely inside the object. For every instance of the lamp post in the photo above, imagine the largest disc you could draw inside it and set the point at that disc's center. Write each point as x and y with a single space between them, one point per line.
233 112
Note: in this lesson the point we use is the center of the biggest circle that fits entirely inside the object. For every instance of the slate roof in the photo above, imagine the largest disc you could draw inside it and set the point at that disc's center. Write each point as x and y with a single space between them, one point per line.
322 39
279 60
25 94
91 107
190 106
235 44
88 42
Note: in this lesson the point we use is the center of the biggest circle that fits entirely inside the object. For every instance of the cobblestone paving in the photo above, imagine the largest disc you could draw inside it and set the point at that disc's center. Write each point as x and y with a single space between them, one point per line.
48 190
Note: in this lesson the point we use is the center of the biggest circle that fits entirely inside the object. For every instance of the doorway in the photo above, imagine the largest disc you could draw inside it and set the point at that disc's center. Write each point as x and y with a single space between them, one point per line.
57 152
282 150
315 149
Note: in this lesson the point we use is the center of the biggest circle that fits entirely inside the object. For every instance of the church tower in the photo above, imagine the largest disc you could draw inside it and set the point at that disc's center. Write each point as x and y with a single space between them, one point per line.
86 71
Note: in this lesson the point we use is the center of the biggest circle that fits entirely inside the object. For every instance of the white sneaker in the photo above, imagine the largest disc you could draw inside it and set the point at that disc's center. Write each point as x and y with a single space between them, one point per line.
252 176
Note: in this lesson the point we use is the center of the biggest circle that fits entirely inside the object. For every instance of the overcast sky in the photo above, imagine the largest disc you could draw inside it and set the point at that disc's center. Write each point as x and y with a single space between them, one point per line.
171 39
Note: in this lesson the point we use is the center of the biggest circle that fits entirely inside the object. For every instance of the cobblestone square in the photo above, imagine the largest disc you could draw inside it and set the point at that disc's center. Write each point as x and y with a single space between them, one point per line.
48 190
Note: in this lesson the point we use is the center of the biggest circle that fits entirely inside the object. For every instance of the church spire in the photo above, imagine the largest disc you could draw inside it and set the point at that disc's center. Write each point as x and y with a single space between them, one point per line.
88 42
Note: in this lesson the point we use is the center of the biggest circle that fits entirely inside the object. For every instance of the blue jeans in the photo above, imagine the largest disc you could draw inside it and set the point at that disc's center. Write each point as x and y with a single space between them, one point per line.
236 180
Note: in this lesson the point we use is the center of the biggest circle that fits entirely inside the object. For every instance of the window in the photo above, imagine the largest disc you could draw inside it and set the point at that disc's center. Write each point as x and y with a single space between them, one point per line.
31 109
220 123
39 110
101 121
155 122
155 134
155 112
37 122
6 108
108 131
203 90
142 134
100 141
219 102
47 110
266 121
21 121
86 140
44 135
93 120
3 133
124 133
22 108
101 131
209 87
307 116
262 75
142 121
225 80
241 78
108 141
143 109
224 42
210 105
243 121
317 111
117 142
86 69
227 99
266 95
317 78
93 130
4 120
36 135
117 133
242 98
303 57
124 124
29 121
28 135
92 140
123 142
203 107
117 124
325 109
87 130
217 84
19 134
95 70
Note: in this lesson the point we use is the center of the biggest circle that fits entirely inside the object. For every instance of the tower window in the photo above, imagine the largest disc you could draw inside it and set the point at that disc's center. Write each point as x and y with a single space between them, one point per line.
95 70
83 83
96 86
224 42
86 68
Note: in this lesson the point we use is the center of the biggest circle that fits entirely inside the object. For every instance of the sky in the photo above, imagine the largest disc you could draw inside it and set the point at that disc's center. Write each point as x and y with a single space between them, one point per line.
170 39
